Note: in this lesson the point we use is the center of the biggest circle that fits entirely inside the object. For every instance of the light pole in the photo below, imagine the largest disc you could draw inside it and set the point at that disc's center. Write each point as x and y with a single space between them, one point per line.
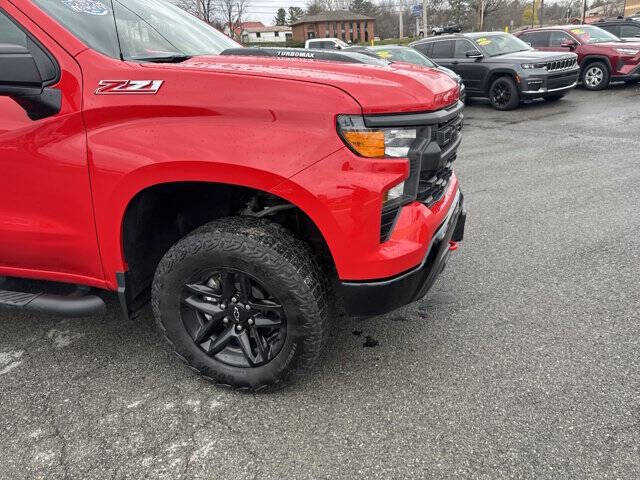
424 19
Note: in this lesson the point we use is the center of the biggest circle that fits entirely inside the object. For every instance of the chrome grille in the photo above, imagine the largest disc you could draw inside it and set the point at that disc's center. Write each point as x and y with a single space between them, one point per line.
563 64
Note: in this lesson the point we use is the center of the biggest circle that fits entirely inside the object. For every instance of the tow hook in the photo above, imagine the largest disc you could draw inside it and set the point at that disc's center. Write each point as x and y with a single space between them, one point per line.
453 246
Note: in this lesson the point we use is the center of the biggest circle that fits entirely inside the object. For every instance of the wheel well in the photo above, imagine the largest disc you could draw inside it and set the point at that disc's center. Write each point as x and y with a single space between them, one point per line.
159 216
495 76
589 60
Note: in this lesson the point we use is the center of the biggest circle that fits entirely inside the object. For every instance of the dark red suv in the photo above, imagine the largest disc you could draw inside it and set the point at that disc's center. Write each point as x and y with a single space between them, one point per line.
602 56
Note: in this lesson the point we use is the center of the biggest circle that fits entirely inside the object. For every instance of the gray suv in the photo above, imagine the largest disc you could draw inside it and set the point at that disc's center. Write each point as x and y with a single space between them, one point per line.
503 68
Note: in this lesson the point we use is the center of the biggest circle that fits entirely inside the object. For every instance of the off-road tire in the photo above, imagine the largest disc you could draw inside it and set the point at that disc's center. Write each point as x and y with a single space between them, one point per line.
509 85
592 69
272 255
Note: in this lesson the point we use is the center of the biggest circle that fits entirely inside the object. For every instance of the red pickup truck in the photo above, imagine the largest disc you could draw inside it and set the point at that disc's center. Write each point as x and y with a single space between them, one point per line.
243 192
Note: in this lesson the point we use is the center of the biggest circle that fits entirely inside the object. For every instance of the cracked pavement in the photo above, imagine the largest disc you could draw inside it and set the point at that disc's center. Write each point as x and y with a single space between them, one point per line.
523 361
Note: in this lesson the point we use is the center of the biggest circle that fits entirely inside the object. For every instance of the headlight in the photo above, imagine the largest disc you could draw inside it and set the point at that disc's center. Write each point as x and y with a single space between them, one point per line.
627 51
531 66
374 142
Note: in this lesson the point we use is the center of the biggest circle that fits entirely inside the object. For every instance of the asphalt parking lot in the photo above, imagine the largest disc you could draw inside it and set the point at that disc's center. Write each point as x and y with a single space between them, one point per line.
523 361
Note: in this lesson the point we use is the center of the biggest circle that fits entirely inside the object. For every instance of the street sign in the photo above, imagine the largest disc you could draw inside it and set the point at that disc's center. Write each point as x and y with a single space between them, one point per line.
416 11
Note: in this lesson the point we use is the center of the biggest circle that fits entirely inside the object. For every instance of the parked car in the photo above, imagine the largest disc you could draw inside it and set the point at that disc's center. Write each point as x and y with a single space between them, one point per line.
325 43
502 68
602 56
627 30
397 53
244 194
447 29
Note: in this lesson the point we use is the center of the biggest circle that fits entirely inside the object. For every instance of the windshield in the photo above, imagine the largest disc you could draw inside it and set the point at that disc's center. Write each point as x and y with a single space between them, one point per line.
144 29
588 34
407 55
501 44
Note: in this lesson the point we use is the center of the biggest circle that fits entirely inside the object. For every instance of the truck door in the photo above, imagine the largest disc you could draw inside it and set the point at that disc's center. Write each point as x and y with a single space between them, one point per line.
46 216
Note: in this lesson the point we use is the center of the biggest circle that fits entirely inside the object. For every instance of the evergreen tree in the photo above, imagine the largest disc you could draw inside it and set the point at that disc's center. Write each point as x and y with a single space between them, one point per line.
281 17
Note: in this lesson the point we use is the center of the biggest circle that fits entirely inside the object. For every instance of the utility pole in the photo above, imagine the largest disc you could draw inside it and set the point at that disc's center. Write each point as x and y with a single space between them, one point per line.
482 2
541 11
417 26
400 23
424 18
584 12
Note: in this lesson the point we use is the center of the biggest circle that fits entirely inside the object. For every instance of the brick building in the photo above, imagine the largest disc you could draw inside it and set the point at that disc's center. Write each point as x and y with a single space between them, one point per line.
347 26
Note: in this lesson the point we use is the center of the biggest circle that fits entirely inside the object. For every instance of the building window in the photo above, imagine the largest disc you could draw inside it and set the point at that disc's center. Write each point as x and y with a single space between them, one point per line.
276 34
366 36
257 34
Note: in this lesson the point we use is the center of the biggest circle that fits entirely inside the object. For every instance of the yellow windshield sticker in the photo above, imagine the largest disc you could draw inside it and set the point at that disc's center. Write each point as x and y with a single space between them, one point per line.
384 53
483 41
578 31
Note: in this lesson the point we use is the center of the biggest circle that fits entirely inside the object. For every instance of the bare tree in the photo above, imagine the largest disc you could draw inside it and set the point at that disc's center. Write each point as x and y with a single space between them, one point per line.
231 13
204 9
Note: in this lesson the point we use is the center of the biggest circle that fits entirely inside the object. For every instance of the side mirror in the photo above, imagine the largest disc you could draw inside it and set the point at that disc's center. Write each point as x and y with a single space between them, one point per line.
474 54
19 74
21 79
568 44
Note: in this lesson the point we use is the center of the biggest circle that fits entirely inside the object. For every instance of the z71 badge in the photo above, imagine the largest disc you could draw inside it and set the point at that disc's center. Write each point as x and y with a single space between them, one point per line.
129 87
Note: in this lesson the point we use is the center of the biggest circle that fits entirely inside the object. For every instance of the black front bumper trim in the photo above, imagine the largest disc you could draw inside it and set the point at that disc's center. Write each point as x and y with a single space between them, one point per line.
368 298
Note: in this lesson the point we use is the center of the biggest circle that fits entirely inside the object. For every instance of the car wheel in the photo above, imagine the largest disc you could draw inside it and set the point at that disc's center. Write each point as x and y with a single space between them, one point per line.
503 94
595 76
243 302
554 98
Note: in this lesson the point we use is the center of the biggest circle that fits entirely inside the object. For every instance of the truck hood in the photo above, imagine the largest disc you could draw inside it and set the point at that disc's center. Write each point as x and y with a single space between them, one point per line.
529 56
379 87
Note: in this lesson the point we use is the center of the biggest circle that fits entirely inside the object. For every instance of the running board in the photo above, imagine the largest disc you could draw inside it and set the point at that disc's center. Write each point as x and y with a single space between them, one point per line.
66 306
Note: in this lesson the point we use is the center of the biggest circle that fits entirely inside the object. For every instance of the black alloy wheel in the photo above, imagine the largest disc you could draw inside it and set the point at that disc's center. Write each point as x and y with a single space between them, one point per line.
503 94
244 302
232 317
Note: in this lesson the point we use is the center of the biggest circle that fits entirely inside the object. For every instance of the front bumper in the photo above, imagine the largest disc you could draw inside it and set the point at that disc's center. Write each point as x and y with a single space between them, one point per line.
540 85
632 75
375 297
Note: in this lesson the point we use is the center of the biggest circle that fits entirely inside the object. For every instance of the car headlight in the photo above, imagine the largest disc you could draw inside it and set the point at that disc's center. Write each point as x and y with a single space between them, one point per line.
531 66
374 142
381 143
627 51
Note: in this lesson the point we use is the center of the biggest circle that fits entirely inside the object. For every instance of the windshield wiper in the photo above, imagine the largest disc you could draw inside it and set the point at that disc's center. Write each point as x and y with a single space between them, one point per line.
165 59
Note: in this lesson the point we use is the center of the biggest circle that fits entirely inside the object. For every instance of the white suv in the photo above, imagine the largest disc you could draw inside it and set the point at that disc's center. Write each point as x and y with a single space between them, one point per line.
325 44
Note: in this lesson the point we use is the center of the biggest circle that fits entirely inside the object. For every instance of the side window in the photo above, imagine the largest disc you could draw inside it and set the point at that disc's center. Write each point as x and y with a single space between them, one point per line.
425 48
629 31
615 29
443 49
556 38
462 47
536 39
10 33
